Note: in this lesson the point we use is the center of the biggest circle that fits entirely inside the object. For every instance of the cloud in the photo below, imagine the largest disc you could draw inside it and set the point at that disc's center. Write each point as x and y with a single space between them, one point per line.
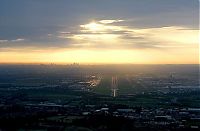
3 41
10 41
17 40
109 21
110 36
64 32
104 35
49 35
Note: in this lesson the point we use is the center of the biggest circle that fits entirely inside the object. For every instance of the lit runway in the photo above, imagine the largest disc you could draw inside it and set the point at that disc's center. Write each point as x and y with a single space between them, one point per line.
114 85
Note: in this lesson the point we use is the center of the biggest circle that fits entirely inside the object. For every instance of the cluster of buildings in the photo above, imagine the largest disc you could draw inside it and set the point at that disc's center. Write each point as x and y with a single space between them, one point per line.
155 117
176 118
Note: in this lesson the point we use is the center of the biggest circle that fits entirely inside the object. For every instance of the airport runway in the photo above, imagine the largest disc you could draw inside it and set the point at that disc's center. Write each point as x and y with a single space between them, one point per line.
114 86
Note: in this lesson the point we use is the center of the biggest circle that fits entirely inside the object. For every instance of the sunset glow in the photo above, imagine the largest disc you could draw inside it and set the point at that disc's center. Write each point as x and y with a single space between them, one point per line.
100 40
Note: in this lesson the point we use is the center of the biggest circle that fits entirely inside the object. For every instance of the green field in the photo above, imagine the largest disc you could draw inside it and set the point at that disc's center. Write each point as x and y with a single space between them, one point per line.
104 88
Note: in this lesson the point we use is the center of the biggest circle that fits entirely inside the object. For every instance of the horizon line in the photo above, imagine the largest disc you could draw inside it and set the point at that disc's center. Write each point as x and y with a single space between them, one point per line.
77 63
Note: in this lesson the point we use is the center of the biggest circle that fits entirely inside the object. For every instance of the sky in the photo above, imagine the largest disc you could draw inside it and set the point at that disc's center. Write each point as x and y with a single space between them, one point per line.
99 31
